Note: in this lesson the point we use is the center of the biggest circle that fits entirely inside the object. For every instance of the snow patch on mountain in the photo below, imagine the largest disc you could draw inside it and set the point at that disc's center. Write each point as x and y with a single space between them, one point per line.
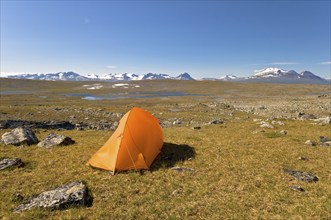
228 78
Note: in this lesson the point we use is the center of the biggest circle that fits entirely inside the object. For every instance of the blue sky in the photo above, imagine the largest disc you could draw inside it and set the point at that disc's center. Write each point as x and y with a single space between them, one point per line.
203 38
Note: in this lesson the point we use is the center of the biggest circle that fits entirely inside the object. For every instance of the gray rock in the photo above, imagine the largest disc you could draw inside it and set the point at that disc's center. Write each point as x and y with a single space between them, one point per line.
302 158
277 123
53 140
266 125
324 121
182 169
19 136
216 121
177 122
74 193
10 162
283 132
310 143
36 124
324 139
301 175
196 128
326 144
308 117
297 188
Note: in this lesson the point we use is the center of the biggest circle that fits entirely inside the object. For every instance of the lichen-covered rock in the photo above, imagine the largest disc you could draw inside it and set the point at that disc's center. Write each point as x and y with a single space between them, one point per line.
19 136
301 175
55 140
10 162
74 193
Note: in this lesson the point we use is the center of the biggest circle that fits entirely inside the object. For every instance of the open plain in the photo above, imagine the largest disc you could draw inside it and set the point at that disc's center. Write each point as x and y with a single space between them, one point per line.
235 139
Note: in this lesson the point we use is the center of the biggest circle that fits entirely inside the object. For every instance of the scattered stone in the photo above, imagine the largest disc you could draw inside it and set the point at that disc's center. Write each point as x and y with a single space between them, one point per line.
266 125
326 144
17 197
297 188
301 175
165 124
258 131
310 143
19 136
308 117
182 169
302 158
5 124
196 128
176 192
323 121
74 193
216 121
324 139
277 123
10 162
55 140
177 122
283 132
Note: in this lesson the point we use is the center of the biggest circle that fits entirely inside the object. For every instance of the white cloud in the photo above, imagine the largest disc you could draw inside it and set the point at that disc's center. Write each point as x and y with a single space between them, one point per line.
111 67
326 63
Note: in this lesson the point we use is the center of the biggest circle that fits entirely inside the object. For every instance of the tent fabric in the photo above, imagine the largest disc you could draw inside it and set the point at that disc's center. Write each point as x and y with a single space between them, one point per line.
133 146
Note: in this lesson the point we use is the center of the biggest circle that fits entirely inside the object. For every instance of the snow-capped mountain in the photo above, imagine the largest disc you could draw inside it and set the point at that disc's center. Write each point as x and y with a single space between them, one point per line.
279 75
65 76
276 75
71 76
184 76
228 78
152 76
116 77
271 74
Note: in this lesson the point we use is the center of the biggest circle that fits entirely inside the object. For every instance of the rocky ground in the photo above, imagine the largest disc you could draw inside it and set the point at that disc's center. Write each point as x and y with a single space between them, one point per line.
237 155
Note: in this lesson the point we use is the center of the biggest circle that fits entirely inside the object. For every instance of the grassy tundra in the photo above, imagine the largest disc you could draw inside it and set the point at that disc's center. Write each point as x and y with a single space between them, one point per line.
237 165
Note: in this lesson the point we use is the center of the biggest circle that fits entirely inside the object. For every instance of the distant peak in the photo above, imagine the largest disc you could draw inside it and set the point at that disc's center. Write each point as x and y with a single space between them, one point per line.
269 70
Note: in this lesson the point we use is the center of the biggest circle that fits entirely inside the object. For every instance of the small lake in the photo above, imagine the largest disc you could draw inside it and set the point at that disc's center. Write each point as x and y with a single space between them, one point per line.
131 95
16 92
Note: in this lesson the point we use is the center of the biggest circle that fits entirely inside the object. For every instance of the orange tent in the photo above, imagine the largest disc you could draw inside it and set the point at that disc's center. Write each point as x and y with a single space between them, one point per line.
133 146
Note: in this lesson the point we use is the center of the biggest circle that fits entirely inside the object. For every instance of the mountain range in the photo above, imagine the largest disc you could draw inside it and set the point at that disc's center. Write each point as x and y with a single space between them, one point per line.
271 74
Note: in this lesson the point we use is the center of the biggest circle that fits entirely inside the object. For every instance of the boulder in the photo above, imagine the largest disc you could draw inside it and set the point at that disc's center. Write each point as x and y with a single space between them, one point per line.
10 162
53 140
19 136
74 193
301 175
